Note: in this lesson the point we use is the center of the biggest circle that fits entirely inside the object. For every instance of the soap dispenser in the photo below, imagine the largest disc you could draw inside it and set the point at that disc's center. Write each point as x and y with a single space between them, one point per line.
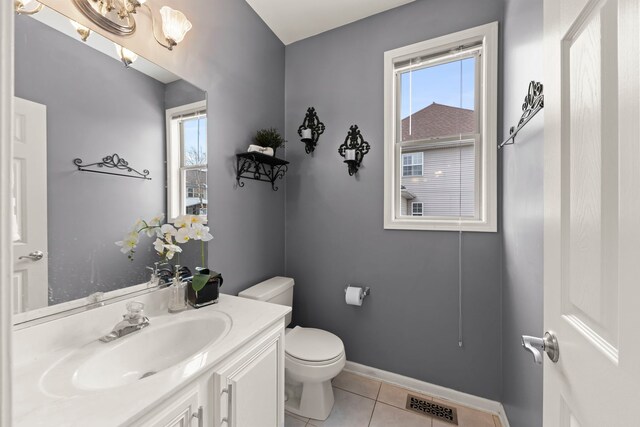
178 293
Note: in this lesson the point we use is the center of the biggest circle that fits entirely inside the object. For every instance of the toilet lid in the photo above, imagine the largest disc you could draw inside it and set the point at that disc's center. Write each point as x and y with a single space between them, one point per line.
314 345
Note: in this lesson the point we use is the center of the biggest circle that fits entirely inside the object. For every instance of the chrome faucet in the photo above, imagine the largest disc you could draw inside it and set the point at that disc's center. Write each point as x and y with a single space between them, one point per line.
133 321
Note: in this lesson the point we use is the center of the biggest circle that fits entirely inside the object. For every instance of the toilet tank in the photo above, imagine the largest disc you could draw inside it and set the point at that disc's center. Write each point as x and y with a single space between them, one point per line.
277 290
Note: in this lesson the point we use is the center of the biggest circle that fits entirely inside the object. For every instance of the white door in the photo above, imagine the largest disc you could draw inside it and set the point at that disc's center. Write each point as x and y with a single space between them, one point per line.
592 212
29 183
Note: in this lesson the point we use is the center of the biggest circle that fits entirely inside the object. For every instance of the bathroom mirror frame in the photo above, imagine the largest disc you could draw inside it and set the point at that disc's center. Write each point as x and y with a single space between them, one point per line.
64 309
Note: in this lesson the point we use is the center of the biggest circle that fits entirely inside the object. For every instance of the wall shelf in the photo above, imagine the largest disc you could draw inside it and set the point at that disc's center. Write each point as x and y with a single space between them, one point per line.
260 167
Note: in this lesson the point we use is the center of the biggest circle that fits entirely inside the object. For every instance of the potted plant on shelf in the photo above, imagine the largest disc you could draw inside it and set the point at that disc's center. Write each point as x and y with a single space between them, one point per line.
269 138
204 289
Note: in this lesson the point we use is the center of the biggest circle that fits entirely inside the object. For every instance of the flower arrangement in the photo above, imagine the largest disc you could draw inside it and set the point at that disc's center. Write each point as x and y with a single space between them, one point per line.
168 236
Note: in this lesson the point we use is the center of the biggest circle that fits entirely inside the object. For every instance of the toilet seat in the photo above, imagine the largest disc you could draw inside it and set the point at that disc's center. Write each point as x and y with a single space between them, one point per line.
313 346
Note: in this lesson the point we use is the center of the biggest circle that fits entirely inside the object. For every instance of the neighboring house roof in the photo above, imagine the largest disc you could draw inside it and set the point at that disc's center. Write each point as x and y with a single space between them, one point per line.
406 194
438 120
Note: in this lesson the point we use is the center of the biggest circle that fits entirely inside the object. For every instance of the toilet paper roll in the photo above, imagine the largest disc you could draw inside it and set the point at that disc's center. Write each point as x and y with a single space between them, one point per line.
354 296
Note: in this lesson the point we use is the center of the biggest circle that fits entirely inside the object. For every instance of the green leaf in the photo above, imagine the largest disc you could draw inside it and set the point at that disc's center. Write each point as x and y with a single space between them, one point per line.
199 281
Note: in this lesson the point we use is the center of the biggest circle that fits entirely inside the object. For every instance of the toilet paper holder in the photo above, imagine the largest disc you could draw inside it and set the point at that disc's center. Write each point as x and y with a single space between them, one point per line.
366 290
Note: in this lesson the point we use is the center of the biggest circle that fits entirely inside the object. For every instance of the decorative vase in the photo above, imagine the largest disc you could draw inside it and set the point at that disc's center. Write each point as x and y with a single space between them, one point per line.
209 293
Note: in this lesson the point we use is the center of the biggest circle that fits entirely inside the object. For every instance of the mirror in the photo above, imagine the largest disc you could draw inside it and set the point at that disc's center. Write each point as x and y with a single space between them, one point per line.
81 108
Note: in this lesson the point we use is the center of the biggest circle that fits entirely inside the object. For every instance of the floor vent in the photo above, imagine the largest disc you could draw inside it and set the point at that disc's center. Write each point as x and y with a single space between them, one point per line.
431 409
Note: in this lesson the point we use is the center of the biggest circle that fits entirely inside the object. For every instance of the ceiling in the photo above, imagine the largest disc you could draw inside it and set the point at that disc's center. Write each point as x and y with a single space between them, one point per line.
293 20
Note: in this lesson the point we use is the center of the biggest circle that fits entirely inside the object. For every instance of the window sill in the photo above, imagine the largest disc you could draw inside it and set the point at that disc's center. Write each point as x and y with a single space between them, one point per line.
425 224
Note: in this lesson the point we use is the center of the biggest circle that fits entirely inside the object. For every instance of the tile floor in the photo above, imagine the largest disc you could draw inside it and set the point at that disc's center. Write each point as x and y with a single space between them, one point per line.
363 402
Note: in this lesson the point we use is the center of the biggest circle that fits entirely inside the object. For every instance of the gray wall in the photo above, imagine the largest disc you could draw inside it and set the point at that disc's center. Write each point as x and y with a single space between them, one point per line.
95 107
334 227
180 93
522 216
236 58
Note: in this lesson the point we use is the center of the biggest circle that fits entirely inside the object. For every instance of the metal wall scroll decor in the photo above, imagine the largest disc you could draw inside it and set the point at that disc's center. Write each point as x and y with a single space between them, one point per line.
533 103
109 165
353 149
310 130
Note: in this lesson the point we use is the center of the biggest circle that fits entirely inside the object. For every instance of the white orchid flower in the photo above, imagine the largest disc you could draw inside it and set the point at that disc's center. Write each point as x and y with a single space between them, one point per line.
201 233
129 243
158 245
172 250
156 220
184 235
167 229
194 220
181 221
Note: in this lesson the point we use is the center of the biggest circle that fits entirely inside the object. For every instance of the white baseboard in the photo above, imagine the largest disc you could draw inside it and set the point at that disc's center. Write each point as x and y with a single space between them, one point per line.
440 392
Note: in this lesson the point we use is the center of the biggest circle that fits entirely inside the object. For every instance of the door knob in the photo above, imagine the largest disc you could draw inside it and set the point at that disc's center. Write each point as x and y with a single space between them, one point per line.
33 256
548 344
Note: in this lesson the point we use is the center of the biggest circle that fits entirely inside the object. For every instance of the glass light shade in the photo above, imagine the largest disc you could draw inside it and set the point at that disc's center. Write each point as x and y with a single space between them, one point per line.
174 24
126 56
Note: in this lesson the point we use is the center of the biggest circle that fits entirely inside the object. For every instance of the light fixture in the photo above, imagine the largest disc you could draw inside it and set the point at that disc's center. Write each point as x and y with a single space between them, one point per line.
83 31
353 149
126 56
174 26
117 17
22 7
310 130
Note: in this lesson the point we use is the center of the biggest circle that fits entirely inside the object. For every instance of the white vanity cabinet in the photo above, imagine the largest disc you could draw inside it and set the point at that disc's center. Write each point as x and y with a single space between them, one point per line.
250 388
180 411
245 390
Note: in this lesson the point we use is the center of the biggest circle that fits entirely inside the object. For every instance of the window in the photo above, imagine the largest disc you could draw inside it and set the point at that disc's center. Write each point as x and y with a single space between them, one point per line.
416 209
412 164
187 160
441 133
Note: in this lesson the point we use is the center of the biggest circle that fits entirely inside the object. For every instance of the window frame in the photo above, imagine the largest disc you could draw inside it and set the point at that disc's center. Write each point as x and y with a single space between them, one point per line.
486 140
175 168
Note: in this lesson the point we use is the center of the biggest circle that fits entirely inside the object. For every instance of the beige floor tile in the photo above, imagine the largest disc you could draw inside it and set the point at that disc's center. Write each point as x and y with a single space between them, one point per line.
496 421
349 410
301 418
389 416
396 396
290 421
467 417
357 384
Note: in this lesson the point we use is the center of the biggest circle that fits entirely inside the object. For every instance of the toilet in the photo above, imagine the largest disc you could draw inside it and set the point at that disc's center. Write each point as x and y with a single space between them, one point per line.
313 357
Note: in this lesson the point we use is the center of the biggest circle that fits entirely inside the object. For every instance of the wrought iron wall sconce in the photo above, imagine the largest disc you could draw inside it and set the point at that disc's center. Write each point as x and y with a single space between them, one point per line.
353 149
114 162
310 130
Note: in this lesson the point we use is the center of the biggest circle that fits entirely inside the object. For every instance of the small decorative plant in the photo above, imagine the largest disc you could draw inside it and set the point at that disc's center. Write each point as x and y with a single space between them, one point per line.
169 237
269 138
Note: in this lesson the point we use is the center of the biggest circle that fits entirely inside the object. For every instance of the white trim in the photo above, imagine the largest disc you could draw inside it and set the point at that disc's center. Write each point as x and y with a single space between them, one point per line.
174 203
488 216
6 246
423 387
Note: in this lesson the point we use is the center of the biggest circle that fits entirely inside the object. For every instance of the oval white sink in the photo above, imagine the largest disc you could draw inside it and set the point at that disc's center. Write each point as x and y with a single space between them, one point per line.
140 355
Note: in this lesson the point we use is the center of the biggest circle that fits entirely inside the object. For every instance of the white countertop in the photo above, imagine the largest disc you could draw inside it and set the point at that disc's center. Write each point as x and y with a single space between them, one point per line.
38 348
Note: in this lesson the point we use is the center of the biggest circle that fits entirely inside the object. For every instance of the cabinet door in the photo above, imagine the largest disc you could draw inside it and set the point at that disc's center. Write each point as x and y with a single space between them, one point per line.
180 411
251 391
